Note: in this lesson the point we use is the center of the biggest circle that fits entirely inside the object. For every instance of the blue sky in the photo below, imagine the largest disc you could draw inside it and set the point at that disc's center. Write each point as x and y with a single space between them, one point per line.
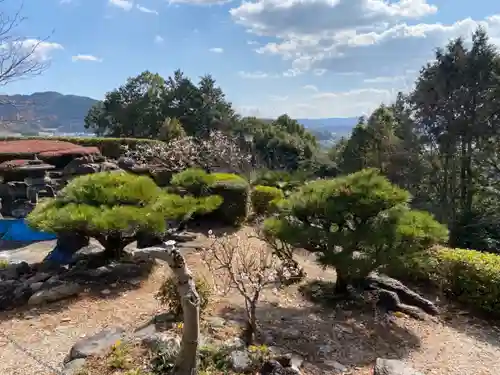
308 58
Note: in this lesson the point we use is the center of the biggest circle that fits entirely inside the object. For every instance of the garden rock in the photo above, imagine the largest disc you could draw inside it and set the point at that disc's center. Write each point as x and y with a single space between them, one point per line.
216 322
97 344
290 360
74 367
234 343
163 342
393 367
273 367
335 367
240 361
405 295
145 331
55 293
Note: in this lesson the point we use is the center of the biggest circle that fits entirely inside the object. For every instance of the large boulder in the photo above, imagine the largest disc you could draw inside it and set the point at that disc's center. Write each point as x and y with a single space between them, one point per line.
97 344
56 293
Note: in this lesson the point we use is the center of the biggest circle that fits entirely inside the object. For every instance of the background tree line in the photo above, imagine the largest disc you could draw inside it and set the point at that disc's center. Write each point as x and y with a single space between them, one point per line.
149 106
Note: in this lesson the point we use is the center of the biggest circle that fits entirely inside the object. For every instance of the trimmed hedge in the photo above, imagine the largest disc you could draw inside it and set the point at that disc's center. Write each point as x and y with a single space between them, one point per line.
233 189
195 181
262 198
468 276
109 147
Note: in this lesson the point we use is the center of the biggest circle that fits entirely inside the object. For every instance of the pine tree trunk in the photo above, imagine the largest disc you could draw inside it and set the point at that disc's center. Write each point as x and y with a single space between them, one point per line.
341 284
186 363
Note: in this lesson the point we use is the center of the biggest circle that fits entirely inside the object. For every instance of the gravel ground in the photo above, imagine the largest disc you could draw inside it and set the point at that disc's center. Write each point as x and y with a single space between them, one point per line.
456 345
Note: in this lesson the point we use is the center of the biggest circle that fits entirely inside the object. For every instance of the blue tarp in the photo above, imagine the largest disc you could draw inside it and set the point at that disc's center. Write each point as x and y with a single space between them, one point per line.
17 230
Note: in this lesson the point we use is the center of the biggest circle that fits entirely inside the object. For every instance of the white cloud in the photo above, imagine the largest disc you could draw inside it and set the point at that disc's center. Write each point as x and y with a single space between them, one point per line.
123 4
199 2
86 58
252 43
351 103
146 10
374 37
253 75
216 50
37 49
276 17
311 88
159 39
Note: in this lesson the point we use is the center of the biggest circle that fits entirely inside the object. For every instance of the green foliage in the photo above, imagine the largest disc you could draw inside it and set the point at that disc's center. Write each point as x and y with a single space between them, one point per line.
262 198
213 358
170 130
233 189
4 263
280 144
119 357
283 180
115 206
235 192
469 276
169 296
193 180
109 147
362 212
140 107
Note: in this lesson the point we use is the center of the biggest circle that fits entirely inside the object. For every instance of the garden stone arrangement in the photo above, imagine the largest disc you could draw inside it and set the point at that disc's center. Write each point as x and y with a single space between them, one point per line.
40 283
160 337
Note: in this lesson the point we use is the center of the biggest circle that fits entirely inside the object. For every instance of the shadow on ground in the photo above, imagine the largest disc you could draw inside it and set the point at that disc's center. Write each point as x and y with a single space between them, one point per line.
456 317
96 276
350 336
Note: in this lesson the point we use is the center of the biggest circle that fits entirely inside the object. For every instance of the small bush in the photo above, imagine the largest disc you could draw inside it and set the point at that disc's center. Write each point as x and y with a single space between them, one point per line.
168 295
468 276
282 180
262 198
235 192
233 189
193 180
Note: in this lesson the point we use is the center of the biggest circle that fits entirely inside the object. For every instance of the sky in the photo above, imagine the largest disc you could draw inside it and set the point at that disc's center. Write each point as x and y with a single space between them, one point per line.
307 58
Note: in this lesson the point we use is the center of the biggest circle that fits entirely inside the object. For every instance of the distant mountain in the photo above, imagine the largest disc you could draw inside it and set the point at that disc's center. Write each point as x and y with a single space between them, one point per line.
43 111
57 113
332 123
329 130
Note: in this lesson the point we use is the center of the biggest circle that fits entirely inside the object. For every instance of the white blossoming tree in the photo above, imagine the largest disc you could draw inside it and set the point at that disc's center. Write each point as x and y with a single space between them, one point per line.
218 151
245 265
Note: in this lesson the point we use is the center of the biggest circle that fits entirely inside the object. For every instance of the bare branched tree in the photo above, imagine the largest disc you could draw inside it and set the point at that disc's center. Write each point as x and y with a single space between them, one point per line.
19 56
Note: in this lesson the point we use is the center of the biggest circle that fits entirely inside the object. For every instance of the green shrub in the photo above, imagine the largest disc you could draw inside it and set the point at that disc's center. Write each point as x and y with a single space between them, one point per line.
235 192
168 295
361 212
233 189
282 180
262 198
193 180
113 207
109 147
468 276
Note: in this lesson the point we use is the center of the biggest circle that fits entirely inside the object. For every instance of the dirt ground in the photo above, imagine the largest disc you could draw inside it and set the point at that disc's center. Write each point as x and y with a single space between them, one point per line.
35 341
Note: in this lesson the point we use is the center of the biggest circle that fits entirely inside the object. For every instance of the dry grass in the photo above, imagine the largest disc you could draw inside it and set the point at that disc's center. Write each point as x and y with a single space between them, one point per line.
455 344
